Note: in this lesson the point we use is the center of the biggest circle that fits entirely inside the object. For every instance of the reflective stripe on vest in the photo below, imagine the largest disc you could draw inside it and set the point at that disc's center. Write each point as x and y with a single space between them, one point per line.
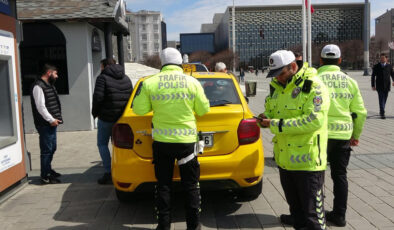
340 127
172 96
175 132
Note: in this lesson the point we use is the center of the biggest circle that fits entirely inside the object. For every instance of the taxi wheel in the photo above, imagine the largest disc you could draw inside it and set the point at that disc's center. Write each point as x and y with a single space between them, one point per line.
252 192
124 197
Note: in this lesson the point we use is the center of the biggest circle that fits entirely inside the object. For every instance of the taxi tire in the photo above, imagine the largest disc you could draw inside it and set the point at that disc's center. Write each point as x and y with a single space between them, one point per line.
124 197
252 192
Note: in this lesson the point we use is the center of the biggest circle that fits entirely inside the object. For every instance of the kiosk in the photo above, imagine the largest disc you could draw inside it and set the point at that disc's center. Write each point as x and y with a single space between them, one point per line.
12 147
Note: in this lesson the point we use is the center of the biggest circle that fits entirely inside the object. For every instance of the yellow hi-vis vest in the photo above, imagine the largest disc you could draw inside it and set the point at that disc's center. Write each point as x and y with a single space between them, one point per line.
173 97
298 114
347 113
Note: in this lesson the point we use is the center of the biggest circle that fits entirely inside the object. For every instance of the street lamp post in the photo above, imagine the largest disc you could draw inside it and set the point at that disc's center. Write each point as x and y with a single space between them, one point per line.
233 19
366 37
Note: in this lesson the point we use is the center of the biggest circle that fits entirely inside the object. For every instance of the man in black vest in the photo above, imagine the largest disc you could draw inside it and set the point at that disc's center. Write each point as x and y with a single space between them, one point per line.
111 94
47 116
382 72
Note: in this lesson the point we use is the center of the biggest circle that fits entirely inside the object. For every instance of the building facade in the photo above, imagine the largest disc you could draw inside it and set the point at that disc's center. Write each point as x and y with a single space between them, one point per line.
75 39
194 42
261 30
384 33
146 34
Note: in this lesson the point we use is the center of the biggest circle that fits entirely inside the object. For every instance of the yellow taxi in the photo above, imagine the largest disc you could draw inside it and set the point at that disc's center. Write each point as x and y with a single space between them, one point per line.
233 155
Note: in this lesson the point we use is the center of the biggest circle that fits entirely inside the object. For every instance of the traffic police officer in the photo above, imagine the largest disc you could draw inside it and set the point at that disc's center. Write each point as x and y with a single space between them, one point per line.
346 118
296 112
174 97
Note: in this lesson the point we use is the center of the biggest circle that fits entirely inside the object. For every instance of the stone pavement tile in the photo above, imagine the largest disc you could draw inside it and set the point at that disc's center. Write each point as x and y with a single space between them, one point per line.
246 218
119 226
362 194
389 200
386 211
361 224
226 222
370 214
267 218
260 204
377 191
347 227
124 214
85 212
208 223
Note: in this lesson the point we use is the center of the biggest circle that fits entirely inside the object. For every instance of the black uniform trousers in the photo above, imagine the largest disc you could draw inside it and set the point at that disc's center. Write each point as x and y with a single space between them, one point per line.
338 154
164 155
304 194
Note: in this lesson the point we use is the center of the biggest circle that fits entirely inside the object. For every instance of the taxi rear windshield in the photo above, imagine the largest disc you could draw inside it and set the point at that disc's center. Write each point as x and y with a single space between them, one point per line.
220 91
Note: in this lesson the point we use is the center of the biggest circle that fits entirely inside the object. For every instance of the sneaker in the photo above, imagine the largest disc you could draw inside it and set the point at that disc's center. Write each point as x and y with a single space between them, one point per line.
287 219
105 179
54 173
336 219
49 180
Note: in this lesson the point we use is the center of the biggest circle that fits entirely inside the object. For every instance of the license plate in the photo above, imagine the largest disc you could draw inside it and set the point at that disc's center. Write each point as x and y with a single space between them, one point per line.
208 140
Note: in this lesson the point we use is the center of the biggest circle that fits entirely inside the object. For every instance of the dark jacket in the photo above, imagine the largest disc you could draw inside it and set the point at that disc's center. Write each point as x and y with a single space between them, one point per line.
52 103
111 93
382 75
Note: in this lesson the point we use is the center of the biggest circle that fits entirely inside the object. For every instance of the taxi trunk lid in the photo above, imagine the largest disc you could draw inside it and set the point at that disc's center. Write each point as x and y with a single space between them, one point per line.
220 125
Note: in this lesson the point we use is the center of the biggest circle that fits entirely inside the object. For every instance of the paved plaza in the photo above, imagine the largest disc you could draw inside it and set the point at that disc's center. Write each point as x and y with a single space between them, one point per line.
80 203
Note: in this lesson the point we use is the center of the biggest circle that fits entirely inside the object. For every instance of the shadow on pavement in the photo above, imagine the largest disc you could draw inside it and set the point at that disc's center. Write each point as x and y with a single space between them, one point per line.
87 205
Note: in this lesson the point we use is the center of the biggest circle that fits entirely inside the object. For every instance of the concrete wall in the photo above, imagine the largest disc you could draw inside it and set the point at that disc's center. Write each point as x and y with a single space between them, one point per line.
383 29
222 39
83 67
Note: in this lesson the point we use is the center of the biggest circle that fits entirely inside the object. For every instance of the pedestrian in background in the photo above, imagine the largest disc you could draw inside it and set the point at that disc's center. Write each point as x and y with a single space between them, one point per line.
346 118
168 115
220 67
380 82
296 113
47 114
111 94
257 72
241 74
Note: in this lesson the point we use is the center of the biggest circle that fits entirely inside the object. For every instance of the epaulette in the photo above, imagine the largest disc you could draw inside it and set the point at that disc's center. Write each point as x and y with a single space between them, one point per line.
307 86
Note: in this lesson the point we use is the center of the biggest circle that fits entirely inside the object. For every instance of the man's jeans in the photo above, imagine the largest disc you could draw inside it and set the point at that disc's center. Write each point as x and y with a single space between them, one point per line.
382 100
47 147
104 132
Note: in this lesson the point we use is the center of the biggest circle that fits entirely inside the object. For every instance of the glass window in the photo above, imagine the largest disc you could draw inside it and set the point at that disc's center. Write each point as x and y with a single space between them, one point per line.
155 27
220 91
7 120
144 37
143 27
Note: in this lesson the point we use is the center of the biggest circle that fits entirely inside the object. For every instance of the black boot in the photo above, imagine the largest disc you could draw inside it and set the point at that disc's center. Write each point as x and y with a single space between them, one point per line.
287 219
336 219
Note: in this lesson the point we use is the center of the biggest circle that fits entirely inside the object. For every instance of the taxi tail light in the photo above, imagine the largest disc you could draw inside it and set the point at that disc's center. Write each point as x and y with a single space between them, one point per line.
123 185
251 179
248 132
122 136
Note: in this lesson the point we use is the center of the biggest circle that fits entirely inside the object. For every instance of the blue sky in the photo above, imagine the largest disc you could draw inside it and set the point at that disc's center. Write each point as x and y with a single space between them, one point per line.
186 16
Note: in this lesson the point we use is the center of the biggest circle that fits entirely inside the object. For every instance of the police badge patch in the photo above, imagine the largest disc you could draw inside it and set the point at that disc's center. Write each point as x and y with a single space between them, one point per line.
295 92
318 100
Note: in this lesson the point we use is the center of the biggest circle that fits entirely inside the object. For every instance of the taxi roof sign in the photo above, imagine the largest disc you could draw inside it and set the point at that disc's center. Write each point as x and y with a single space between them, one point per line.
189 67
